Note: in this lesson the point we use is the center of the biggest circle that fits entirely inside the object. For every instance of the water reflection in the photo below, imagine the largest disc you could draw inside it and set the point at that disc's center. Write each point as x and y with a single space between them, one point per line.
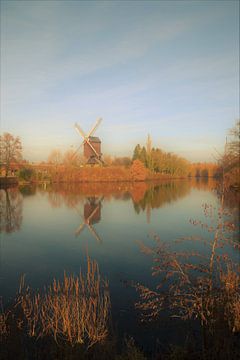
158 195
144 196
11 203
92 215
206 184
28 190
43 252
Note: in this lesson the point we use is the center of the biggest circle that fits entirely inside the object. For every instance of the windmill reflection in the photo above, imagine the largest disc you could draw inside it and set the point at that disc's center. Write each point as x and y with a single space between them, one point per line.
91 216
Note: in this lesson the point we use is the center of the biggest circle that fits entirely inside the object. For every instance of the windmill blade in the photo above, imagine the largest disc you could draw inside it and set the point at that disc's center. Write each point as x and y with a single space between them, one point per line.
80 229
94 233
80 131
97 123
75 152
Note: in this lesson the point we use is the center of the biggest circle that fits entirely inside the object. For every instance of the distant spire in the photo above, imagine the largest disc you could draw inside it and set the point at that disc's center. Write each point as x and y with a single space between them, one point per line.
226 144
149 144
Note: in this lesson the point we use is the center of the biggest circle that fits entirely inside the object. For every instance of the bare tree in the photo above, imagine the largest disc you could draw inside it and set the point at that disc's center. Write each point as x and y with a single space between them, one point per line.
72 159
229 162
10 150
55 157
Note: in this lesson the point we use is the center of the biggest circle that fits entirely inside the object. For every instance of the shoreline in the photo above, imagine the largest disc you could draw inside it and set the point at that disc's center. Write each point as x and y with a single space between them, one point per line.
16 181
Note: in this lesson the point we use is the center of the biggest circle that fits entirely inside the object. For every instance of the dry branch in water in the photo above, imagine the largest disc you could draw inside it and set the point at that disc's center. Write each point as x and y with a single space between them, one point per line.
204 286
75 310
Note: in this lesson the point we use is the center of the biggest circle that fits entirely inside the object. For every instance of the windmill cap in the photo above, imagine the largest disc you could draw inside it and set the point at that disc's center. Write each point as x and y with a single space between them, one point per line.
94 139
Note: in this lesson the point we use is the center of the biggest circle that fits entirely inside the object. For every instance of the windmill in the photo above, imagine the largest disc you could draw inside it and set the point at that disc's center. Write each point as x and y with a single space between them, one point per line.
91 144
92 215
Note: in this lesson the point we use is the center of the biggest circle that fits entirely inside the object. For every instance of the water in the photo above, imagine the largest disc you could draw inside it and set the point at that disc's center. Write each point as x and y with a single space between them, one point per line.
48 230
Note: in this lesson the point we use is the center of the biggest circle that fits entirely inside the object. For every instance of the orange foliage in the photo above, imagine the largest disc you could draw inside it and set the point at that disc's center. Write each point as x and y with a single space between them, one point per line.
138 171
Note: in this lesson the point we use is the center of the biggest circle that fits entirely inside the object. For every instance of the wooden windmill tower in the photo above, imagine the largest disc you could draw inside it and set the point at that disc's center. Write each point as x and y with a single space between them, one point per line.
91 144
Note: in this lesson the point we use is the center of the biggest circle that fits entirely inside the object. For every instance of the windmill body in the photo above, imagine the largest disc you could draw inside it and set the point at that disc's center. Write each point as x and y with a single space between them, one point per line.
88 151
92 210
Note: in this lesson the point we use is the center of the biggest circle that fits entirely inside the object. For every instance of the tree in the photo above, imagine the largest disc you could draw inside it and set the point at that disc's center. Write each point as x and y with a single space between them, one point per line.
108 159
26 174
138 171
230 160
122 161
143 156
10 150
71 158
137 152
55 157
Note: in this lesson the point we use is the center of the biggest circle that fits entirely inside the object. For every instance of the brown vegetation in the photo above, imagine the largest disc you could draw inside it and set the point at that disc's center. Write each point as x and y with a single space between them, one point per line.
198 285
74 311
229 162
138 171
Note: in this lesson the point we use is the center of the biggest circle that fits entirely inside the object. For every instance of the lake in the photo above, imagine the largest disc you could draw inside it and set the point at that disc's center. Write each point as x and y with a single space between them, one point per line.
49 230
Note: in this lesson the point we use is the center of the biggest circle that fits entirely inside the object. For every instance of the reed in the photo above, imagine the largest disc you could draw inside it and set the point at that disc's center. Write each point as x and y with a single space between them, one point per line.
75 310
4 328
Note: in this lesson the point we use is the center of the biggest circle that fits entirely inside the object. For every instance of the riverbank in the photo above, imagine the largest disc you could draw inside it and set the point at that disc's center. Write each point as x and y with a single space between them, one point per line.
62 174
8 180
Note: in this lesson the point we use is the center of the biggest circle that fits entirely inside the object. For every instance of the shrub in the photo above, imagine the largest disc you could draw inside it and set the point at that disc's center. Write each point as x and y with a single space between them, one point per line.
26 174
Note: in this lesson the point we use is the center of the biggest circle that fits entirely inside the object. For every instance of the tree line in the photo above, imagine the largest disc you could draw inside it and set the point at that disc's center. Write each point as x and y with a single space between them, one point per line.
159 161
144 161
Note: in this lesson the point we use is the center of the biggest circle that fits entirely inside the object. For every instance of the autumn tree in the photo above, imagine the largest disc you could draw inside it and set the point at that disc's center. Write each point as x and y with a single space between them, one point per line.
108 159
10 150
55 157
121 161
229 162
138 171
143 156
160 161
72 159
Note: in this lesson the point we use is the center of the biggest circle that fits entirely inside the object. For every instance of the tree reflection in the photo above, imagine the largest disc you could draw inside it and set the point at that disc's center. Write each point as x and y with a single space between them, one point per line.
28 190
158 195
145 195
11 203
71 195
55 199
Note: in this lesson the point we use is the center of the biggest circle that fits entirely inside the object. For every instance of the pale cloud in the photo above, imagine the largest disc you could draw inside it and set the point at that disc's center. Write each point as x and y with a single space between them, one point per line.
63 62
35 58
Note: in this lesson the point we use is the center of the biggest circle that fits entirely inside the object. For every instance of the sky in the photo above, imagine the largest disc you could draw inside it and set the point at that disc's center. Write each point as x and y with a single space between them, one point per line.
165 68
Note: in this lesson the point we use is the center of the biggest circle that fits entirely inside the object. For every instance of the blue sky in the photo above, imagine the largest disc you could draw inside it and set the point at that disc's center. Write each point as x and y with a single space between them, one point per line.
170 69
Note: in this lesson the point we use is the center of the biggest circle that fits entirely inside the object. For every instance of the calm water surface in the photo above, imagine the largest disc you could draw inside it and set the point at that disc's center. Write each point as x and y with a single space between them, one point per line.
46 231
